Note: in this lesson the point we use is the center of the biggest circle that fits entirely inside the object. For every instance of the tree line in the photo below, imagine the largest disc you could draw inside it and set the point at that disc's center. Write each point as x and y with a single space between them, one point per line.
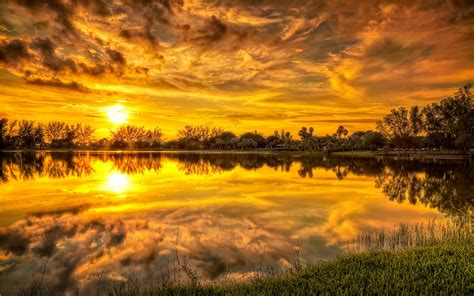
448 124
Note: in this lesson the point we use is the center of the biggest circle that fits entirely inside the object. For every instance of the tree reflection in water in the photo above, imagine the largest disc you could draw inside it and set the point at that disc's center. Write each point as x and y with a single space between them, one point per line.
444 185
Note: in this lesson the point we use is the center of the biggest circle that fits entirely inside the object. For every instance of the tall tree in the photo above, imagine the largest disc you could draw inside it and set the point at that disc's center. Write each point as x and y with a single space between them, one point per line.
416 120
55 131
7 132
26 134
255 137
450 122
224 140
39 135
3 131
129 136
341 131
70 135
198 133
399 126
83 135
154 137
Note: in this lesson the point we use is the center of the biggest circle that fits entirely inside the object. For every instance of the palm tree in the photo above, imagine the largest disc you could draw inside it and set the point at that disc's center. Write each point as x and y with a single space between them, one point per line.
341 130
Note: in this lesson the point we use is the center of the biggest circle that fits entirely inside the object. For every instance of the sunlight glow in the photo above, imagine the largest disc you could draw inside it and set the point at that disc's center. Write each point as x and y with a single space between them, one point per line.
117 114
117 183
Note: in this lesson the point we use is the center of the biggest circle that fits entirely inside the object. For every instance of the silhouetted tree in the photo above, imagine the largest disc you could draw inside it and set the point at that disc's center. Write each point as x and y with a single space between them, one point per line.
308 140
154 138
26 134
450 123
198 137
400 126
224 140
55 131
273 140
128 136
341 131
373 140
7 133
197 133
83 135
258 141
39 135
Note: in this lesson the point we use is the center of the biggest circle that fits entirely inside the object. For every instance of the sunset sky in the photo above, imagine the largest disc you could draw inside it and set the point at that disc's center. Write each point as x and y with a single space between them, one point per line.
243 65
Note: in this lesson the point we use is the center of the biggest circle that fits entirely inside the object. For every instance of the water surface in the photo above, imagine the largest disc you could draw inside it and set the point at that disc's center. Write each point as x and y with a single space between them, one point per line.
93 217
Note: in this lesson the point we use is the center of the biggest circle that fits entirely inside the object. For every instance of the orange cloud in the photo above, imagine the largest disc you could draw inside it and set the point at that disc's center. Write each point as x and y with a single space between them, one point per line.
180 58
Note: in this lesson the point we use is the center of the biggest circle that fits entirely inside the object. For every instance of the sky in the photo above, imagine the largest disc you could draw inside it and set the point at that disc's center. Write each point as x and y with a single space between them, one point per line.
244 65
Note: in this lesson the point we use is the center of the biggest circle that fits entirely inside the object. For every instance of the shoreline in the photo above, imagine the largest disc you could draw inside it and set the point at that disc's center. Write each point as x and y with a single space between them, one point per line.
447 155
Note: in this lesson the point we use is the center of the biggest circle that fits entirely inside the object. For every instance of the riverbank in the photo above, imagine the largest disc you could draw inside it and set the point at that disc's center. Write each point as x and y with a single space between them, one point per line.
442 269
414 155
448 155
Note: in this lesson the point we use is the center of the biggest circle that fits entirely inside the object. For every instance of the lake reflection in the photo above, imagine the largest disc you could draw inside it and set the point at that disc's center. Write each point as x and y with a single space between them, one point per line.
107 216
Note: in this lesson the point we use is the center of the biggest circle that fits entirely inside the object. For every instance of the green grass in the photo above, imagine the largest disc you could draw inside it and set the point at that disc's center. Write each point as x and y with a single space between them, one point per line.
443 268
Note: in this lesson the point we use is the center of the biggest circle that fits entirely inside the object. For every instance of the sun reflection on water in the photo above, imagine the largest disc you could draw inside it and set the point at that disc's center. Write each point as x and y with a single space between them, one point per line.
117 182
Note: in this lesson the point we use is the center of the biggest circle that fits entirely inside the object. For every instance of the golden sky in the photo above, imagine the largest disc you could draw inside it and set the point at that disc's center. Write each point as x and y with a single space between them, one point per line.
244 65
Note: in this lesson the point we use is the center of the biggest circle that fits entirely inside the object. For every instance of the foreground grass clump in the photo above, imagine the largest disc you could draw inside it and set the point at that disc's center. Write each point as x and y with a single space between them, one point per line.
445 268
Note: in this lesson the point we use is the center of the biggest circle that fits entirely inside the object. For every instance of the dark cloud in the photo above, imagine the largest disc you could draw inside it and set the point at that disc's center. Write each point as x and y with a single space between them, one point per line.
302 98
47 49
13 50
47 245
214 30
156 12
64 275
355 120
17 50
126 34
98 7
250 116
73 85
14 243
118 233
396 53
212 264
72 211
57 64
44 45
64 11
144 34
116 57
96 70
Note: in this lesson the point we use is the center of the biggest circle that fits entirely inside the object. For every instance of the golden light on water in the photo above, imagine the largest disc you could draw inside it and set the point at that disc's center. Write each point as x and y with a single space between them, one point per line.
117 183
117 114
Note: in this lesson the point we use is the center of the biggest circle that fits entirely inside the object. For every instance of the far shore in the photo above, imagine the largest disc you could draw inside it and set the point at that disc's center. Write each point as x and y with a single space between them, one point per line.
359 153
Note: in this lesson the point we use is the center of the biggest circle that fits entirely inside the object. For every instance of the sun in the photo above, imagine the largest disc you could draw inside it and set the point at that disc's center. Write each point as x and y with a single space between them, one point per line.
117 114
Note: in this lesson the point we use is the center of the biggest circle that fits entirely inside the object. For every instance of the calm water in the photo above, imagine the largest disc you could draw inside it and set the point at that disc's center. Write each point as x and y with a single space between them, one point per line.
110 216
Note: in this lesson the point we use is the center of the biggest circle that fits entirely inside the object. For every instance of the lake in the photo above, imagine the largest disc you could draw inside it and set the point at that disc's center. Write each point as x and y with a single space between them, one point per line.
78 219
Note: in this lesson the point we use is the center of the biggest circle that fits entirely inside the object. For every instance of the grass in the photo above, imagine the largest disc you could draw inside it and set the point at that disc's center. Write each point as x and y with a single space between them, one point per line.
413 235
444 268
